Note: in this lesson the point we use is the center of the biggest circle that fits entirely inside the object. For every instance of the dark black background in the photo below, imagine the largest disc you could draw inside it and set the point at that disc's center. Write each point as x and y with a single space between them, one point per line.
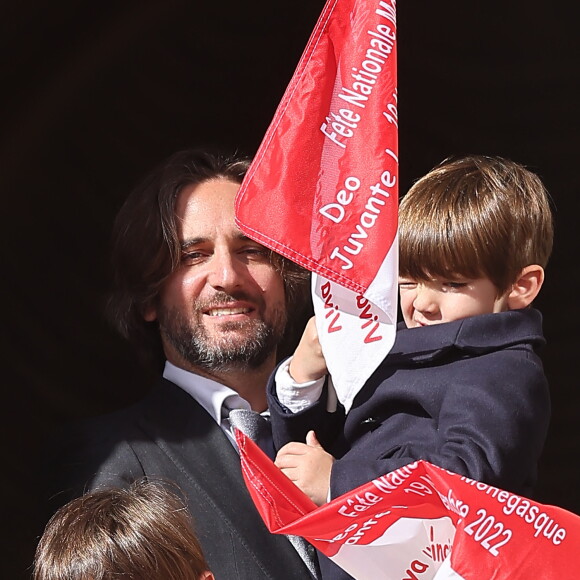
95 93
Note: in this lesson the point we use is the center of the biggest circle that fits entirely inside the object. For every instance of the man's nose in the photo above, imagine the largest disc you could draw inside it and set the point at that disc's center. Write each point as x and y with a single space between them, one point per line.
226 271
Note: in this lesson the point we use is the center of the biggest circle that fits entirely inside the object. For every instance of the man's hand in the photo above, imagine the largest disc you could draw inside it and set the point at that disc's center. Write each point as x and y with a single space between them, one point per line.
308 364
308 466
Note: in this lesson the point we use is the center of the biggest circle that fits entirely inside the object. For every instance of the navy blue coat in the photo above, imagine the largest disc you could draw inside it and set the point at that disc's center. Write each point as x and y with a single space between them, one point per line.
470 396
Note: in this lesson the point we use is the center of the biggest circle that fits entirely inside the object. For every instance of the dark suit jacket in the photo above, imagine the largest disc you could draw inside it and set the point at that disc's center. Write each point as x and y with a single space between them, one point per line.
169 436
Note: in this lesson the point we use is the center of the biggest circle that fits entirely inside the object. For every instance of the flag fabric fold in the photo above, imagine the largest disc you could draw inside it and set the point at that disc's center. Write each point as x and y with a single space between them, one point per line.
420 521
323 187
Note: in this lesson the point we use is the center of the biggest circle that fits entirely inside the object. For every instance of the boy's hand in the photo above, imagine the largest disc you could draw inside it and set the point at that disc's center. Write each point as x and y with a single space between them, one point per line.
308 466
308 364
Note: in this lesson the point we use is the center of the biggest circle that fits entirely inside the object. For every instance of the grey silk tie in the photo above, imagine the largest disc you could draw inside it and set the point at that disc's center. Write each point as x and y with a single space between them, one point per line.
258 428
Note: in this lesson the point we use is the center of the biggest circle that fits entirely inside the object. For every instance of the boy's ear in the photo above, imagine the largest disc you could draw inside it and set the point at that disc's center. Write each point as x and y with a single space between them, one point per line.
527 286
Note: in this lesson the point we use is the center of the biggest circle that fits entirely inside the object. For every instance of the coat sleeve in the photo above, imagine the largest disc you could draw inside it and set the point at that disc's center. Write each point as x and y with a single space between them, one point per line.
491 426
288 426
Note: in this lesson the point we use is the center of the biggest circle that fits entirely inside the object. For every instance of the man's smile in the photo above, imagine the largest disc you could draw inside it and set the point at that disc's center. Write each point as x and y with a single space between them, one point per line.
227 311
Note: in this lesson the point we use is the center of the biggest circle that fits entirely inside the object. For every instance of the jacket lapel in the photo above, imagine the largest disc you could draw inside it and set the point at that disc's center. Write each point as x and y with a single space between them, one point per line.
205 457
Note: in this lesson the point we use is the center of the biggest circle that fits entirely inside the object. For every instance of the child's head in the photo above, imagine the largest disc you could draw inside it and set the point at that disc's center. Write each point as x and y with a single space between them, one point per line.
478 230
144 531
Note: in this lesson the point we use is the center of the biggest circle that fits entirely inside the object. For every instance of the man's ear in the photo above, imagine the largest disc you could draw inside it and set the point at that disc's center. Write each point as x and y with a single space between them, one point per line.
149 312
527 286
206 576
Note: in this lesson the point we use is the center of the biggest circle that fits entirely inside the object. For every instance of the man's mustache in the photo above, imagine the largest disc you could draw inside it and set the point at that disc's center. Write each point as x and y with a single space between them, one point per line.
223 298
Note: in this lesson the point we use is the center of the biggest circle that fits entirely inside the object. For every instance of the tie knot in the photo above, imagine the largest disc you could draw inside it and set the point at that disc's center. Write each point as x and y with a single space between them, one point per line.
251 423
254 426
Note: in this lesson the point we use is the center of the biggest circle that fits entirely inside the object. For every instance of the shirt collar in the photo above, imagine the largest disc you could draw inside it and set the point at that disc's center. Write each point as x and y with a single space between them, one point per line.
208 393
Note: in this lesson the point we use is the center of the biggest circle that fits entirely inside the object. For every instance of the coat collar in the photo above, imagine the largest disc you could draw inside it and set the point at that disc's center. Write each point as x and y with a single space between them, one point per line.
473 335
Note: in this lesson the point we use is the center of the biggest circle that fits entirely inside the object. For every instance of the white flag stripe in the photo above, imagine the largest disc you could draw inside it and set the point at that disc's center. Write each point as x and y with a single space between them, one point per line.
355 336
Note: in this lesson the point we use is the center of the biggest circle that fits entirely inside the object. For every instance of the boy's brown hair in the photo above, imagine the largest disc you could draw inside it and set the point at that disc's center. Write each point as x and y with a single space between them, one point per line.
475 216
144 531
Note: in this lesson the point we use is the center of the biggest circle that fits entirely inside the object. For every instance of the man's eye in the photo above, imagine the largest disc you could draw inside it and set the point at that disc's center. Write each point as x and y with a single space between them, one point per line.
255 251
455 285
191 257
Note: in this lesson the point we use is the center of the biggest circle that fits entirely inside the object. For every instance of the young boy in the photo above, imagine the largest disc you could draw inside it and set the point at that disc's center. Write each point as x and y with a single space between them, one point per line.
144 531
462 387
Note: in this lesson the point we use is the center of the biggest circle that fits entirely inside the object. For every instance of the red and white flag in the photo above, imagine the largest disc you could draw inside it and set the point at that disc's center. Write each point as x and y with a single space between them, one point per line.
323 187
420 522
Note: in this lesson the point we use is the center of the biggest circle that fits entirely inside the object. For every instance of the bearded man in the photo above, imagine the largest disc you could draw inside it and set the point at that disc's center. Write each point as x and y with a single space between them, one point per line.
191 286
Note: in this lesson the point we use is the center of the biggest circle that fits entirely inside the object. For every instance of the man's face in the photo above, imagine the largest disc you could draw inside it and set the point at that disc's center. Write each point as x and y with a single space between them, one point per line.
224 307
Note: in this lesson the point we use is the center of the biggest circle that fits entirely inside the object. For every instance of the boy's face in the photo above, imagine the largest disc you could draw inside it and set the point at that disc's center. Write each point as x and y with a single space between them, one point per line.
440 300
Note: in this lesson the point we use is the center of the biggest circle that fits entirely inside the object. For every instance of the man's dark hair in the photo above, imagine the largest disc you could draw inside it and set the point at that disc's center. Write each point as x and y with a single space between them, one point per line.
146 246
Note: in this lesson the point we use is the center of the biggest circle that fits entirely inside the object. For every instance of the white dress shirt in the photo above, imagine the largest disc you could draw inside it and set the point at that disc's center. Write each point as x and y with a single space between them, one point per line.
210 394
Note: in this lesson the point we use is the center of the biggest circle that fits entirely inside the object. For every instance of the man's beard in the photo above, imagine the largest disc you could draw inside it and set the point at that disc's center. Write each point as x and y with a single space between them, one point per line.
245 344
